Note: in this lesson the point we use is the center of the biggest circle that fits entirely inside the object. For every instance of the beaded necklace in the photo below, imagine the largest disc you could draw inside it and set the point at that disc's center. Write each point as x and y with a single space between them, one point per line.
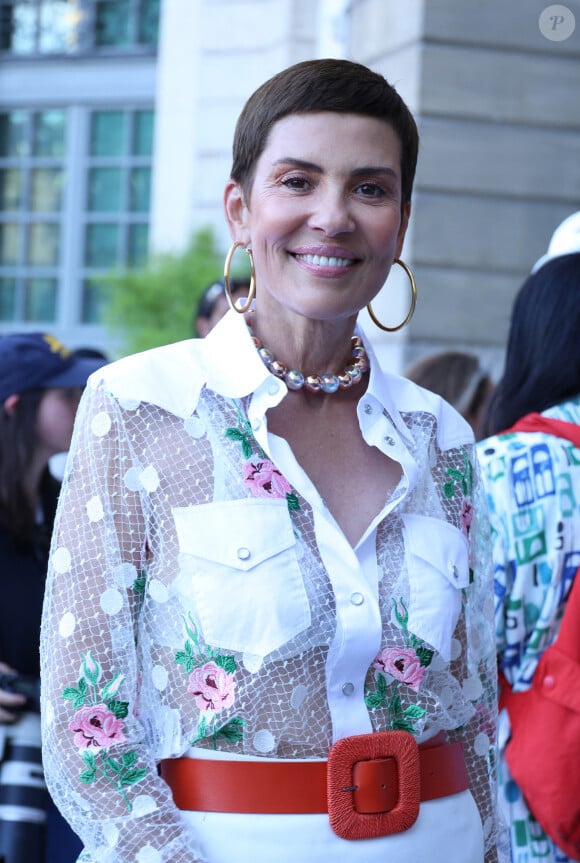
325 383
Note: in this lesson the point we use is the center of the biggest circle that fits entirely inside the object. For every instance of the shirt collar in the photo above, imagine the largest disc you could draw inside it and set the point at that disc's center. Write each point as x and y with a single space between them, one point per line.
234 368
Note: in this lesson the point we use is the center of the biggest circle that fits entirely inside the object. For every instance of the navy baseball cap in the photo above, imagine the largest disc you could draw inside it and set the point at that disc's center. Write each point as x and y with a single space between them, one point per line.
31 361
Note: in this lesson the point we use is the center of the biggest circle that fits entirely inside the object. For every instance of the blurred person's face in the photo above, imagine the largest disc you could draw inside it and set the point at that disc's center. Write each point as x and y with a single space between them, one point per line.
55 418
221 306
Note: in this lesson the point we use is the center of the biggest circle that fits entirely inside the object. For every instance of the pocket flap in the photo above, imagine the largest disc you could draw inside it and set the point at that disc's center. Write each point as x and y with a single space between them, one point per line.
437 558
221 531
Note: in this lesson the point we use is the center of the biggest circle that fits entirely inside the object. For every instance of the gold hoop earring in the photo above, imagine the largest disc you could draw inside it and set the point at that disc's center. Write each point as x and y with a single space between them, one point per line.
374 318
241 310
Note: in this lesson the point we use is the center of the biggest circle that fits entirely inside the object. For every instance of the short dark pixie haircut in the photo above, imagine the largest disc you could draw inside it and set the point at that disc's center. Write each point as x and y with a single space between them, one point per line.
322 85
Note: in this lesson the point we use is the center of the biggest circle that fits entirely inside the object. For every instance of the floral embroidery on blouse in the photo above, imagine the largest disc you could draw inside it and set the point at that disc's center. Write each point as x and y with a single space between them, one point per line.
395 665
97 725
260 474
211 683
463 478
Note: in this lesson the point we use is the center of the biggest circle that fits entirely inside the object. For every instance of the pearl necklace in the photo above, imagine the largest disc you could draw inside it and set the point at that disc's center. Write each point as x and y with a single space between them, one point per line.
326 383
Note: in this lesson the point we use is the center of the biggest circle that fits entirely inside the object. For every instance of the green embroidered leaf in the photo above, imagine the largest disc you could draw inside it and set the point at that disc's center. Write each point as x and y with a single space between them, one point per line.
89 758
400 724
119 709
234 433
247 449
228 663
233 731
471 575
395 704
71 694
139 585
414 711
449 489
424 655
186 658
381 684
292 501
373 700
113 764
133 776
88 776
128 759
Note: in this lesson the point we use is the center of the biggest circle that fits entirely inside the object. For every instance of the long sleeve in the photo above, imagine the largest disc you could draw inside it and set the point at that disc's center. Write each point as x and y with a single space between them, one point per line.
99 765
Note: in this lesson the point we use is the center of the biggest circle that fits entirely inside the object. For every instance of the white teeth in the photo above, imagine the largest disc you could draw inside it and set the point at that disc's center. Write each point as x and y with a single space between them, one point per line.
323 261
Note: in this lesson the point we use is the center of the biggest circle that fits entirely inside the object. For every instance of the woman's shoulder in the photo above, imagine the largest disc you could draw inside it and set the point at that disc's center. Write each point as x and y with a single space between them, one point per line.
419 405
170 376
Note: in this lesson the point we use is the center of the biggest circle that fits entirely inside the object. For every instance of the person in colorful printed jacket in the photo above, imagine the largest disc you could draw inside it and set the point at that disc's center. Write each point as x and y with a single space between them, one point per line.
268 631
532 481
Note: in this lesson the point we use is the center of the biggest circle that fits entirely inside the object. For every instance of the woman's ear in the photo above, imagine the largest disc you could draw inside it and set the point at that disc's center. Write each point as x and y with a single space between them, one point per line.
11 403
237 213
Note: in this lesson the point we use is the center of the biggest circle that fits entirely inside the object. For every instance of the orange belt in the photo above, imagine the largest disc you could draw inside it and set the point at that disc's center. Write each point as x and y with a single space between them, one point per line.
371 785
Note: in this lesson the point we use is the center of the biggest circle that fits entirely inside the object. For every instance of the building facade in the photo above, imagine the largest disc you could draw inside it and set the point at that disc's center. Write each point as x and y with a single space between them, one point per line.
116 121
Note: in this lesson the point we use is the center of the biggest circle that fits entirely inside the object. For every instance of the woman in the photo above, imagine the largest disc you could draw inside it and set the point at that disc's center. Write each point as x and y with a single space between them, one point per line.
257 562
40 387
533 485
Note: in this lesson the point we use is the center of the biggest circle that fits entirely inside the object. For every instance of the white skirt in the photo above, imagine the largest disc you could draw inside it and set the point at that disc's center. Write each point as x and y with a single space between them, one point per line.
448 830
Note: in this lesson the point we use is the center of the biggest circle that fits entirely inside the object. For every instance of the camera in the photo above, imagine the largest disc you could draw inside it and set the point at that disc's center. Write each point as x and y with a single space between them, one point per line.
23 793
21 684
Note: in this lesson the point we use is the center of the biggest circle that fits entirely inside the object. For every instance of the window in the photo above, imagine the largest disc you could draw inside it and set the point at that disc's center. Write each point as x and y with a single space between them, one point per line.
32 152
77 26
118 199
65 224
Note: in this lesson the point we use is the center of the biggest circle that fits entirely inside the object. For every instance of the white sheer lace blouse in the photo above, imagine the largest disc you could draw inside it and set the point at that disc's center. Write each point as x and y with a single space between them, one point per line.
200 593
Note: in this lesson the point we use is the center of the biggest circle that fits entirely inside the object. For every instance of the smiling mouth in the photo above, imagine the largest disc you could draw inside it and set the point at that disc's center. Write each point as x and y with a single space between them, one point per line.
324 261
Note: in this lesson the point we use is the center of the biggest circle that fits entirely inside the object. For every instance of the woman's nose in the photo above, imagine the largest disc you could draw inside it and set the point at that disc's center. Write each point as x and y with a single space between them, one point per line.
331 213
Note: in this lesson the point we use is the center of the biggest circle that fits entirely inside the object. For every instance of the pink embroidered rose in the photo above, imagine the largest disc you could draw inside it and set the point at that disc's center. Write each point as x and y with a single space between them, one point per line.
212 687
466 516
265 480
96 727
402 664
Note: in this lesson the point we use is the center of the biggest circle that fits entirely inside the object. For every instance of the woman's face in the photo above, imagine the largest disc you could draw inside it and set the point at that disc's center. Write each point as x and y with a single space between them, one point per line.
55 418
323 217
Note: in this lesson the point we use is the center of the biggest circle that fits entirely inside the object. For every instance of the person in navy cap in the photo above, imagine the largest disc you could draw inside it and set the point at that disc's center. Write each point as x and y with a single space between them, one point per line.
41 382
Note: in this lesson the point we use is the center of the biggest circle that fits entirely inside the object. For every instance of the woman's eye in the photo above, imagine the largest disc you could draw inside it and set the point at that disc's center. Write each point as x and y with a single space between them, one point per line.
299 183
371 190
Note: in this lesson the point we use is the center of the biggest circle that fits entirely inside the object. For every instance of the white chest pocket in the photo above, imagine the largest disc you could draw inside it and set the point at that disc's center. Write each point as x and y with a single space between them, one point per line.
437 558
243 573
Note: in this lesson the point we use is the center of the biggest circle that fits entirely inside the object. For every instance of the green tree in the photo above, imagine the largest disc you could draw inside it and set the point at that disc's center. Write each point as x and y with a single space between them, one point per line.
156 305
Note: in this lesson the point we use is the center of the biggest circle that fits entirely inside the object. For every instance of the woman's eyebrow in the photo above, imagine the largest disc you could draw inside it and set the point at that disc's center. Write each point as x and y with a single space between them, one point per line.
298 163
375 169
357 172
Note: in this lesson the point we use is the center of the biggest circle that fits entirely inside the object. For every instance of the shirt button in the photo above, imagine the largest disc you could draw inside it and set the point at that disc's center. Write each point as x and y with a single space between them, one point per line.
256 423
273 388
389 441
357 598
244 553
454 571
549 681
347 688
368 409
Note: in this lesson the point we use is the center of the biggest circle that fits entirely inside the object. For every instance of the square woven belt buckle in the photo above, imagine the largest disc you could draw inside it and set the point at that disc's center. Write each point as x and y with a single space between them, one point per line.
373 784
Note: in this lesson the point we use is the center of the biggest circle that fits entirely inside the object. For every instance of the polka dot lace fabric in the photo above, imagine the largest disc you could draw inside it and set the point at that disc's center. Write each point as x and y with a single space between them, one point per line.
159 633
